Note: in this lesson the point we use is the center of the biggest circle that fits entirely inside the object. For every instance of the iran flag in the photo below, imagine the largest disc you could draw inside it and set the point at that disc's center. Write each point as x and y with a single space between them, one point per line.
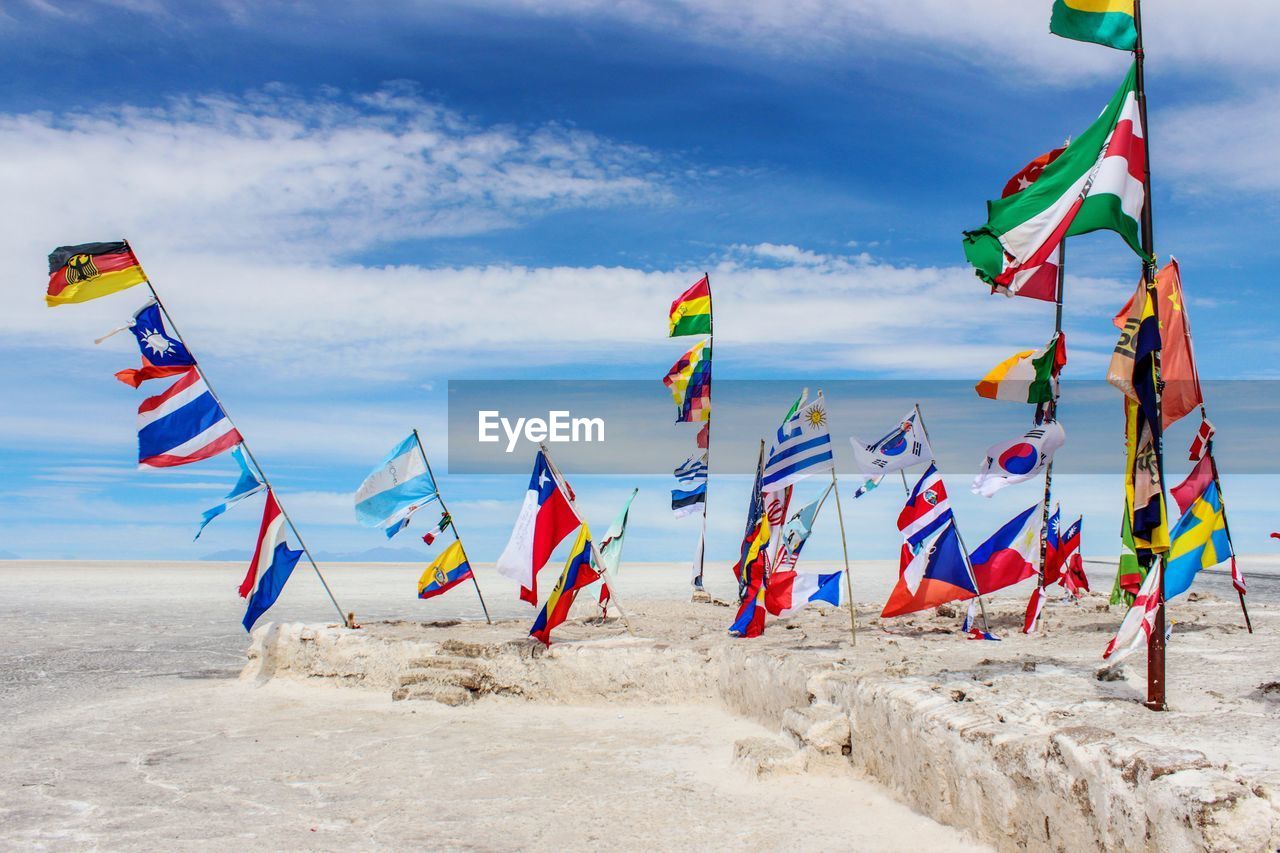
545 519
1095 184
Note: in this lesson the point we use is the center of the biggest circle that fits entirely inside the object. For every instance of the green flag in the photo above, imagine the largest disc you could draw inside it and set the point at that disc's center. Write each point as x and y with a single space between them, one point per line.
1106 22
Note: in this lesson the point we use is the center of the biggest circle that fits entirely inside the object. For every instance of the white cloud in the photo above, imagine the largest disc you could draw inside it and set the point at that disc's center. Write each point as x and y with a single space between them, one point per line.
1226 145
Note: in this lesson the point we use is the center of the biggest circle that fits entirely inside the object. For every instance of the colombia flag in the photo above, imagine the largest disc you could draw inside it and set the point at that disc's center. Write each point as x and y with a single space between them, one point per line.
84 272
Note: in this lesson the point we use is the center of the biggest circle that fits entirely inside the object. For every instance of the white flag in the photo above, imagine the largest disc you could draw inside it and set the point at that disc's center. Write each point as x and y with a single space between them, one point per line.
1018 460
902 448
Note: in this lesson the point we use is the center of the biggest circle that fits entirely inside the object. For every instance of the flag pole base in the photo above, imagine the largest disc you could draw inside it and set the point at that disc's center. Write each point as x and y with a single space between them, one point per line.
700 596
1155 706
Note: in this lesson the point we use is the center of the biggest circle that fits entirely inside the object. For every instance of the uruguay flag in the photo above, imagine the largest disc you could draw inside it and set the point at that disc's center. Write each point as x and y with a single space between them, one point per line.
789 592
272 563
545 519
1011 554
184 424
396 489
801 448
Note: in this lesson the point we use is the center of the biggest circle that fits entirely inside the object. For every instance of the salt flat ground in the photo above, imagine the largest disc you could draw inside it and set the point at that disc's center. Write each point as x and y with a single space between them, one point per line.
126 728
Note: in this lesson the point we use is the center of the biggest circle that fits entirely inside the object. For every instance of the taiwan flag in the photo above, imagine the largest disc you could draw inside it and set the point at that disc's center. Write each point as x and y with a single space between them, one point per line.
162 353
545 519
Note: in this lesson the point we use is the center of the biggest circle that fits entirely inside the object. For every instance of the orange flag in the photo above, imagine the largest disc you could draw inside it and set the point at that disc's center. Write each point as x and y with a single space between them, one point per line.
1181 393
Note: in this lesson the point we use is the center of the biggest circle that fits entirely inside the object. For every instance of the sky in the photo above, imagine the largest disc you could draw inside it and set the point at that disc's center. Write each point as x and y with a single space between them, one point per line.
348 208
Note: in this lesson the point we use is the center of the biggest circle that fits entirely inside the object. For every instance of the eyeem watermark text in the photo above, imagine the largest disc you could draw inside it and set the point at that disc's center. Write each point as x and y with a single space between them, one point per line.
558 426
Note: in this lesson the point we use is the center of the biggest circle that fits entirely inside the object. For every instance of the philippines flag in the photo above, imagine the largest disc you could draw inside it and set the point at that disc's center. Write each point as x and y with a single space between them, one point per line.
927 509
1011 554
789 592
184 424
545 519
272 563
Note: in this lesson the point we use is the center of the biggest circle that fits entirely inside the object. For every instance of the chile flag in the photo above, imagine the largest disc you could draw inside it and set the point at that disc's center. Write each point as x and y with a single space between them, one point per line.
545 519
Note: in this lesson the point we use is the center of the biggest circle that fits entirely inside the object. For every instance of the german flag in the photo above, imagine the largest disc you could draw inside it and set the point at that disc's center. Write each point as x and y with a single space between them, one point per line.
84 272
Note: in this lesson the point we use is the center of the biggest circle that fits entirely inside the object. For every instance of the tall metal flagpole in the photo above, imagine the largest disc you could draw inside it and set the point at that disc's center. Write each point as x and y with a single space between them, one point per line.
595 550
706 492
844 545
964 549
452 526
1155 647
1051 414
346 620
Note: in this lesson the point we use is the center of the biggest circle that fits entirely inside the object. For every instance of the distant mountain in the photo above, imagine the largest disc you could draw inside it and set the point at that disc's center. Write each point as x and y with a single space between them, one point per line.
381 554
9 555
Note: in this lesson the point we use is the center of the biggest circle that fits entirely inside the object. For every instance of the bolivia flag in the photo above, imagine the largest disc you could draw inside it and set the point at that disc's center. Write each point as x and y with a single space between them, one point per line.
89 270
1108 22
691 312
1096 184
1028 377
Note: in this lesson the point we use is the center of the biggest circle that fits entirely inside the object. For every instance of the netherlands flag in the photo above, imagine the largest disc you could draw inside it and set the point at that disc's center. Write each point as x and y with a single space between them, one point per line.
184 424
272 563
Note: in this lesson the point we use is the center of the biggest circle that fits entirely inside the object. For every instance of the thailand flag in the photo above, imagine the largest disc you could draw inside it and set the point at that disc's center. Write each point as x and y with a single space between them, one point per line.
545 519
927 509
272 563
789 592
1011 554
184 424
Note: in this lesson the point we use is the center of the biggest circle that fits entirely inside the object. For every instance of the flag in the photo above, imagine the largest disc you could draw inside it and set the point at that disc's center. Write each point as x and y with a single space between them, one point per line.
927 509
84 272
1139 622
692 491
162 354
1070 564
1105 22
691 312
445 572
272 563
1011 554
396 489
1052 538
1019 459
1200 444
796 533
801 447
1189 490
1030 376
749 621
1199 541
1035 604
789 592
704 435
1130 572
868 485
576 575
690 382
1145 465
1035 282
611 548
247 485
545 519
755 539
934 575
904 446
1180 392
182 425
1097 183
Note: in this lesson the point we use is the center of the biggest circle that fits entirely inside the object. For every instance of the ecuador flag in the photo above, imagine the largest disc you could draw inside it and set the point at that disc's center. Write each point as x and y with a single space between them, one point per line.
576 575
84 272
445 572
691 312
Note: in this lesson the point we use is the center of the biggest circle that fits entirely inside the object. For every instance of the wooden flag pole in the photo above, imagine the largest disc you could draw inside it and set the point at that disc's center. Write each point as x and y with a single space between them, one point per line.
244 442
1156 644
452 526
595 551
844 545
706 493
964 549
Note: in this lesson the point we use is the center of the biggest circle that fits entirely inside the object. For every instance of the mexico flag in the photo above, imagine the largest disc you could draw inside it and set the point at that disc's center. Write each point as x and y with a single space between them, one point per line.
1096 184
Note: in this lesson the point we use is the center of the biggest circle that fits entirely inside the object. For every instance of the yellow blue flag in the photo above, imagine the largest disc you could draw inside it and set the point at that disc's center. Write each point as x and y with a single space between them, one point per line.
1199 541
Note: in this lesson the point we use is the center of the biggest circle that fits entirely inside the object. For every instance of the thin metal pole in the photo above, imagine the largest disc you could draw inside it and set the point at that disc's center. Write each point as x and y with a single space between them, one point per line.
452 527
706 492
248 452
595 551
1051 414
1155 649
905 488
964 550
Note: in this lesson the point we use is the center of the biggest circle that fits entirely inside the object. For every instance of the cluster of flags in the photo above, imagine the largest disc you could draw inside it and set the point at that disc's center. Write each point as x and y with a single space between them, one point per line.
689 381
185 423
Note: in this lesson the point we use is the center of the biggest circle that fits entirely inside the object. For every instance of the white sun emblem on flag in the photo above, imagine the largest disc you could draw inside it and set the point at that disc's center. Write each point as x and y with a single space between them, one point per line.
815 418
155 340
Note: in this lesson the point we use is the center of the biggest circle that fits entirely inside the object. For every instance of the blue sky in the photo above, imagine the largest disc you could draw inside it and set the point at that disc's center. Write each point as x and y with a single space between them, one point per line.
345 209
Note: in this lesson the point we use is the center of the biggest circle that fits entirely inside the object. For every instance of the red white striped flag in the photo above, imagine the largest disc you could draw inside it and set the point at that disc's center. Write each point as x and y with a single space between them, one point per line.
1139 622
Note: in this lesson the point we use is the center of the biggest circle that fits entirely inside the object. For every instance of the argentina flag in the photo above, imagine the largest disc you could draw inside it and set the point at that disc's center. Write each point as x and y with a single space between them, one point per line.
396 489
802 447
